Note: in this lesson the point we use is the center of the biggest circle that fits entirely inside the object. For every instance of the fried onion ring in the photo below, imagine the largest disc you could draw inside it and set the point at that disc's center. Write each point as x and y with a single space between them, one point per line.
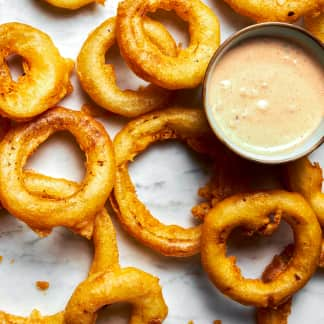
252 212
274 10
104 240
72 4
315 24
187 69
46 73
76 211
129 284
188 125
98 79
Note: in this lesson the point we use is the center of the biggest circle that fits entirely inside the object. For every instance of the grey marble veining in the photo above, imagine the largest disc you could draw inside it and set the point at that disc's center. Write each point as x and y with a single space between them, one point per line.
166 177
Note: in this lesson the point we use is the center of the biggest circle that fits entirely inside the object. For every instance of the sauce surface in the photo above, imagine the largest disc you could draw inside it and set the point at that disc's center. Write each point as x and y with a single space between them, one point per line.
267 95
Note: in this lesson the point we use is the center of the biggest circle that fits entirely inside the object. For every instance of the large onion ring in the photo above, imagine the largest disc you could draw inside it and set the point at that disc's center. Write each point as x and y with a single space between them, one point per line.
315 24
187 69
252 212
104 240
77 211
188 125
129 284
72 4
274 10
46 78
98 78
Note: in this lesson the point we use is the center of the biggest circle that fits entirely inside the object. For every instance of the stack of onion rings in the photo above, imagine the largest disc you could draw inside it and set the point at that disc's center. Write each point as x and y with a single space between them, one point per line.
72 4
188 125
76 211
252 212
274 10
104 240
98 78
127 284
46 73
187 69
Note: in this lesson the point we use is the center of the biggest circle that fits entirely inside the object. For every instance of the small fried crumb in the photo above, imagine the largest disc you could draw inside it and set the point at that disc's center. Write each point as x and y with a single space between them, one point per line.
217 322
42 285
191 322
1 258
12 261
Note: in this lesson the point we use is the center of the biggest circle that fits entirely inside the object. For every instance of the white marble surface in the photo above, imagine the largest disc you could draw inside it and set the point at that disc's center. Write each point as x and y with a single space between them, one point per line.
166 176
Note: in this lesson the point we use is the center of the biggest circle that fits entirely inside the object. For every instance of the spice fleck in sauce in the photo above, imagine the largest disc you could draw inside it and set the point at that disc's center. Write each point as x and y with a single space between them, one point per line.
267 95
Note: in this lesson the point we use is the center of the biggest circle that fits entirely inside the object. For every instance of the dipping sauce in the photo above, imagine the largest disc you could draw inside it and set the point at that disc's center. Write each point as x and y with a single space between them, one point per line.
267 95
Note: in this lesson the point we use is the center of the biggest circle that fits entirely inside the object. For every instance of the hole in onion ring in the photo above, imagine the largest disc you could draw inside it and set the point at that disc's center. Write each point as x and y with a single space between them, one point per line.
177 27
183 172
114 314
15 65
60 253
256 251
125 78
65 154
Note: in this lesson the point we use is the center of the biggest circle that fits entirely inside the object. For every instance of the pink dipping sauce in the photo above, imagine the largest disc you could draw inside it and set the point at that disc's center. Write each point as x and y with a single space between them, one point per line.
267 95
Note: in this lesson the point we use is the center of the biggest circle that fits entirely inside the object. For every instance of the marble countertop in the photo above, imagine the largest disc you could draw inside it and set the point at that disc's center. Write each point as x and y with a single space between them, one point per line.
167 177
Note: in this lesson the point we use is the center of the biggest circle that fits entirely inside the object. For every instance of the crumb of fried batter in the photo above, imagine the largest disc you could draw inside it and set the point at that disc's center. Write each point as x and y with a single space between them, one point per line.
217 322
1 258
42 285
12 261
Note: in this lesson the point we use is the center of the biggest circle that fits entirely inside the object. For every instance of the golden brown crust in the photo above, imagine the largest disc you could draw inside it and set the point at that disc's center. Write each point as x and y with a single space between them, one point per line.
72 4
230 176
252 212
46 78
104 241
274 10
278 315
187 69
187 125
121 285
314 23
306 178
77 211
42 285
98 78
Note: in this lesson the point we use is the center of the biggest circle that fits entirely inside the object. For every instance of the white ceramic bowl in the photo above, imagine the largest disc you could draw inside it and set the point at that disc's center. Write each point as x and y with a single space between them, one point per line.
286 31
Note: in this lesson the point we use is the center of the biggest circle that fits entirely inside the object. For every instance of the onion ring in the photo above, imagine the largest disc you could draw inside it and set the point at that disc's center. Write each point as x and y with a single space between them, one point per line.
252 211
129 284
306 178
77 211
98 79
104 240
187 69
188 125
274 10
46 73
72 4
315 24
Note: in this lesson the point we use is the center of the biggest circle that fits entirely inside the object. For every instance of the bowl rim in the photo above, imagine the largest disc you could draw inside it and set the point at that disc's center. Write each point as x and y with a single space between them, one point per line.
241 151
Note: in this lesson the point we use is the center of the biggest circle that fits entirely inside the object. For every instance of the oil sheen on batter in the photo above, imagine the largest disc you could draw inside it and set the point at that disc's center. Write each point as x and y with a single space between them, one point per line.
267 95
